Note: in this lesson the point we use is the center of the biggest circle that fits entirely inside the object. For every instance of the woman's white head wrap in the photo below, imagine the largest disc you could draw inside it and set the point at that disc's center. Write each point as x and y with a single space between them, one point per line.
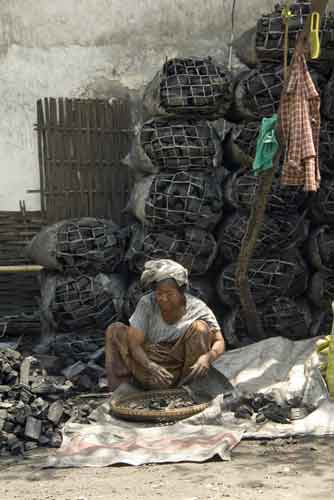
163 269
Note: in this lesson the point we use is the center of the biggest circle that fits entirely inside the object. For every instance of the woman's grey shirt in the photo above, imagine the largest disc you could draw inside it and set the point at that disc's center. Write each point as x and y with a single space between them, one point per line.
148 319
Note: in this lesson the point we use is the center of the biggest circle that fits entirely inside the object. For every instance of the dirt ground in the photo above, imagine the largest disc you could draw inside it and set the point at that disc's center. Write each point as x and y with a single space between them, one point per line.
276 470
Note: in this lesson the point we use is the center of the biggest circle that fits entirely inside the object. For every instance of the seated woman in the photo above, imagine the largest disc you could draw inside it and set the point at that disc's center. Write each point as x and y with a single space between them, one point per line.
172 336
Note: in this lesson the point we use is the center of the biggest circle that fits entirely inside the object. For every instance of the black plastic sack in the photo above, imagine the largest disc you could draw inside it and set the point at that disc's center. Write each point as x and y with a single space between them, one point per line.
181 145
278 233
321 289
268 278
194 248
77 246
240 189
327 105
265 42
81 303
176 201
198 287
320 248
196 86
322 203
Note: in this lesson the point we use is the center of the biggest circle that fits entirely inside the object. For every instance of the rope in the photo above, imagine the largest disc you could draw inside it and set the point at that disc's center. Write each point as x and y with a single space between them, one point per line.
230 50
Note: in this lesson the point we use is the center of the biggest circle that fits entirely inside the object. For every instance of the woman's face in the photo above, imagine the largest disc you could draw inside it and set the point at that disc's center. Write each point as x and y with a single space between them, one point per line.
168 296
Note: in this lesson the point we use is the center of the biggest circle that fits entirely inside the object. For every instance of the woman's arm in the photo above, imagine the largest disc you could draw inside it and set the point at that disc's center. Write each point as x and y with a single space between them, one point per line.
218 346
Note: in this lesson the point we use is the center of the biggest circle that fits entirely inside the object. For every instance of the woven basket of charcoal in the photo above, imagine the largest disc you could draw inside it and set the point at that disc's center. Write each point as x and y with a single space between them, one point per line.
157 406
78 246
268 277
174 145
258 92
240 191
72 304
177 200
194 248
190 85
276 233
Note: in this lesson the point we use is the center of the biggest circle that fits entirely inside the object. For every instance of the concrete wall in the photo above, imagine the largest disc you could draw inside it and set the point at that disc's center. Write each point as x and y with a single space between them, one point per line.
92 48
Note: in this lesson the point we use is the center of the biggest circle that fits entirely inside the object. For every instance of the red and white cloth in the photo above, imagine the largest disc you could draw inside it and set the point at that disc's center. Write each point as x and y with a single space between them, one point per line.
300 123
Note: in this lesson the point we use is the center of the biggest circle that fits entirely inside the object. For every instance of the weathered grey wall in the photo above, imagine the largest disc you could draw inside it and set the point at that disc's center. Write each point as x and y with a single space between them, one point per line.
92 48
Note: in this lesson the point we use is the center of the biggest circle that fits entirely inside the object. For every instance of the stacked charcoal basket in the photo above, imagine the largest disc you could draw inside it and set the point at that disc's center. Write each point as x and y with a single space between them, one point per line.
192 195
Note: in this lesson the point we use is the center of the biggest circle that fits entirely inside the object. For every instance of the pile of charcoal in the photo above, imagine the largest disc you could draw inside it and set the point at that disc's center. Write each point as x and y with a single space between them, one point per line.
34 405
262 408
31 404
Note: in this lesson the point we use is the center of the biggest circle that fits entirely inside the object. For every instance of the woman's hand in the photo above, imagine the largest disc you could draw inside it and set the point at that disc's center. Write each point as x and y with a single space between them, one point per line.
160 375
199 369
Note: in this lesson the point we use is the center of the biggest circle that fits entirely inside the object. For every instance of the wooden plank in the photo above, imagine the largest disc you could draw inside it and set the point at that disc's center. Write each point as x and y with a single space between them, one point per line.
61 156
47 161
40 154
80 157
94 159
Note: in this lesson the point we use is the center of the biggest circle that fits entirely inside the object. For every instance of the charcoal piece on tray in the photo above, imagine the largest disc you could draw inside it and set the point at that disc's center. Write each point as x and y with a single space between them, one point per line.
320 248
240 190
268 278
177 200
189 85
322 202
181 145
194 248
77 246
265 42
321 289
276 233
85 302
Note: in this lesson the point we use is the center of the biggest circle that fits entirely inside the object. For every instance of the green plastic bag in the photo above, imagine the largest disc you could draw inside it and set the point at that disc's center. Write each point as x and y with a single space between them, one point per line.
266 146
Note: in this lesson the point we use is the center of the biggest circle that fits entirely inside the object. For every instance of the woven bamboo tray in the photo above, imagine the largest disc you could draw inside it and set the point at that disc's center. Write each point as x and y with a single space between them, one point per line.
120 407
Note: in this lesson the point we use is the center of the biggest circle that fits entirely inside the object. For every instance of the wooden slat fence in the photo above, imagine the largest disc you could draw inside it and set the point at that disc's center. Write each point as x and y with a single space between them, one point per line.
19 292
81 143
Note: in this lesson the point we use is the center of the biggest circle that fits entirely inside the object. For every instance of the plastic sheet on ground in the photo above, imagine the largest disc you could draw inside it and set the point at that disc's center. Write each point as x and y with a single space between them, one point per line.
277 365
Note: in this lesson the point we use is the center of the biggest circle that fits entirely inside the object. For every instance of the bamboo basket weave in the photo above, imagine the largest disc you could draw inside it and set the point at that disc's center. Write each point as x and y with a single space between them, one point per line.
120 407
